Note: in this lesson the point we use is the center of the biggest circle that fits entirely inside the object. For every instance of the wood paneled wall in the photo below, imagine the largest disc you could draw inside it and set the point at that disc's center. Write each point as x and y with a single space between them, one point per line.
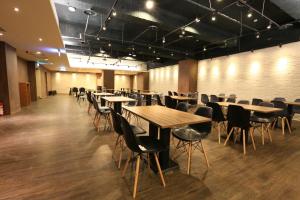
187 76
109 79
4 92
32 80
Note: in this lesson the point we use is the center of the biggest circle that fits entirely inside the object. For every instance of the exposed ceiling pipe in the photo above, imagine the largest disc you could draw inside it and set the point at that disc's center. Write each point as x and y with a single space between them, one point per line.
260 13
107 16
144 31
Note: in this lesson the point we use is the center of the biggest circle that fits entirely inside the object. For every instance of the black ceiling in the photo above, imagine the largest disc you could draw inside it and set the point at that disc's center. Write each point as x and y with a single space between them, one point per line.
138 31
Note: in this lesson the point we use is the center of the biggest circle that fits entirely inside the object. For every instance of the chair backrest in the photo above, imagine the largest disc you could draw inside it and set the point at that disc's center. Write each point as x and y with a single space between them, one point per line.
116 121
282 105
265 115
95 104
279 99
244 102
170 103
214 98
75 89
207 112
129 136
82 90
217 114
237 116
170 93
159 100
182 107
204 98
222 94
175 93
89 97
232 96
256 101
231 100
139 100
182 95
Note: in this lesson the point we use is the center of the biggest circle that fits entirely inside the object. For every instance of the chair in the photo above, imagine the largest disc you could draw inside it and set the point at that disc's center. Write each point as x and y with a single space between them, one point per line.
265 120
204 99
244 102
175 93
182 107
283 114
75 91
218 117
279 99
81 95
231 100
222 94
140 145
214 98
170 103
159 100
101 111
90 101
170 93
239 119
296 109
193 102
232 96
190 137
255 101
116 121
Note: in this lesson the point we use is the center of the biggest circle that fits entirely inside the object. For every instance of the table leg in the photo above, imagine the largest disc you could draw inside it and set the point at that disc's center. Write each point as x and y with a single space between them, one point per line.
118 107
148 100
290 114
102 102
164 157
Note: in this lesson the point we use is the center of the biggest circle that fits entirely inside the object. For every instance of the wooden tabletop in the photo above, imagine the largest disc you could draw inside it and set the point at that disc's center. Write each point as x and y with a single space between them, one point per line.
292 103
148 93
261 109
103 94
183 98
118 99
166 117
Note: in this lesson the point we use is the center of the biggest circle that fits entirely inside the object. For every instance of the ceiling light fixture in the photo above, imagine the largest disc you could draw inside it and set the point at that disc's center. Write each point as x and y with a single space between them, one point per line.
269 26
40 39
38 53
16 9
98 38
149 4
255 20
172 54
213 18
72 9
149 47
157 58
164 40
204 49
104 28
109 44
1 34
257 35
114 13
197 20
183 31
249 15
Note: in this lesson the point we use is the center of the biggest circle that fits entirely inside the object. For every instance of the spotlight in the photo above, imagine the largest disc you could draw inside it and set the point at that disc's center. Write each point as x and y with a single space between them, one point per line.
72 9
40 39
1 34
269 26
16 9
104 28
164 40
204 48
114 13
183 31
109 44
98 38
149 4
213 18
157 58
257 35
255 20
249 15
197 20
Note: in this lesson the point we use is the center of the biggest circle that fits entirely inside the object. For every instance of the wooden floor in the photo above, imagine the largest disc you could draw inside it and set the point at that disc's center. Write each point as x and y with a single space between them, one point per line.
52 151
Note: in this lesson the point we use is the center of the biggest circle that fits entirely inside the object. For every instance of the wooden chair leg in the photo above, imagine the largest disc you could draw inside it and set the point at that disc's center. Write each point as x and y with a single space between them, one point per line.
148 160
244 142
288 125
219 132
252 138
269 132
228 136
126 164
116 144
282 125
204 152
159 170
189 158
262 134
121 152
136 177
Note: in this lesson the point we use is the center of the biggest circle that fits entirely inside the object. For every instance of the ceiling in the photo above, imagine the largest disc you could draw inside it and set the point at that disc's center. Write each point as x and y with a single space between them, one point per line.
23 29
169 32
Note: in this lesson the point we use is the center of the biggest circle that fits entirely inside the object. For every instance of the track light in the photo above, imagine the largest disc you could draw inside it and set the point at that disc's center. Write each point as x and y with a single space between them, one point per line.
213 18
157 58
183 31
109 44
249 15
149 4
257 35
255 20
72 9
197 20
269 26
104 28
164 40
172 54
114 13
204 49
98 38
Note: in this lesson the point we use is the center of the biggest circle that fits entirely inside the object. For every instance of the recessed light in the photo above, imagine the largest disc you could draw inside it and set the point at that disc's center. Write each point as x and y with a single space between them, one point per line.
16 9
72 9
40 39
1 34
149 4
249 14
38 52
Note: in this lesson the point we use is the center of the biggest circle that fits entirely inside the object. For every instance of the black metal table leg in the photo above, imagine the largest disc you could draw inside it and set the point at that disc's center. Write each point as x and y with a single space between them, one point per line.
148 100
118 107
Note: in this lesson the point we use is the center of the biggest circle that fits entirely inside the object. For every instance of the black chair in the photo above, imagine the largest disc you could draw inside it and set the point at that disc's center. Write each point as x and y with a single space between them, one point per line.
214 98
75 91
116 121
296 109
279 99
139 146
283 115
193 102
256 101
182 107
265 120
233 96
231 100
90 101
239 120
190 137
170 93
170 103
175 93
204 99
218 117
101 111
159 100
244 102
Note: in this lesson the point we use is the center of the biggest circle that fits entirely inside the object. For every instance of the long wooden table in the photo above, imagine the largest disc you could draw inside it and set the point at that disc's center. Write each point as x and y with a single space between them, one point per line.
261 109
182 98
117 101
148 96
162 119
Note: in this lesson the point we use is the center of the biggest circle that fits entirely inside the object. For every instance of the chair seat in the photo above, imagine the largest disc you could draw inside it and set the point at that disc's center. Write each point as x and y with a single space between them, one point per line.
137 130
188 134
149 144
257 119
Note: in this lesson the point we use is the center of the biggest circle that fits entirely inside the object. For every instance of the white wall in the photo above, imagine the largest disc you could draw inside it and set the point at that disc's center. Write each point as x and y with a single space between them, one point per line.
122 81
164 79
63 81
265 73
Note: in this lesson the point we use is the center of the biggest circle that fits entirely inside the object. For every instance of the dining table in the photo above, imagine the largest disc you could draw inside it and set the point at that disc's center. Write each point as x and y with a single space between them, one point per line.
161 120
182 98
102 94
117 102
148 96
